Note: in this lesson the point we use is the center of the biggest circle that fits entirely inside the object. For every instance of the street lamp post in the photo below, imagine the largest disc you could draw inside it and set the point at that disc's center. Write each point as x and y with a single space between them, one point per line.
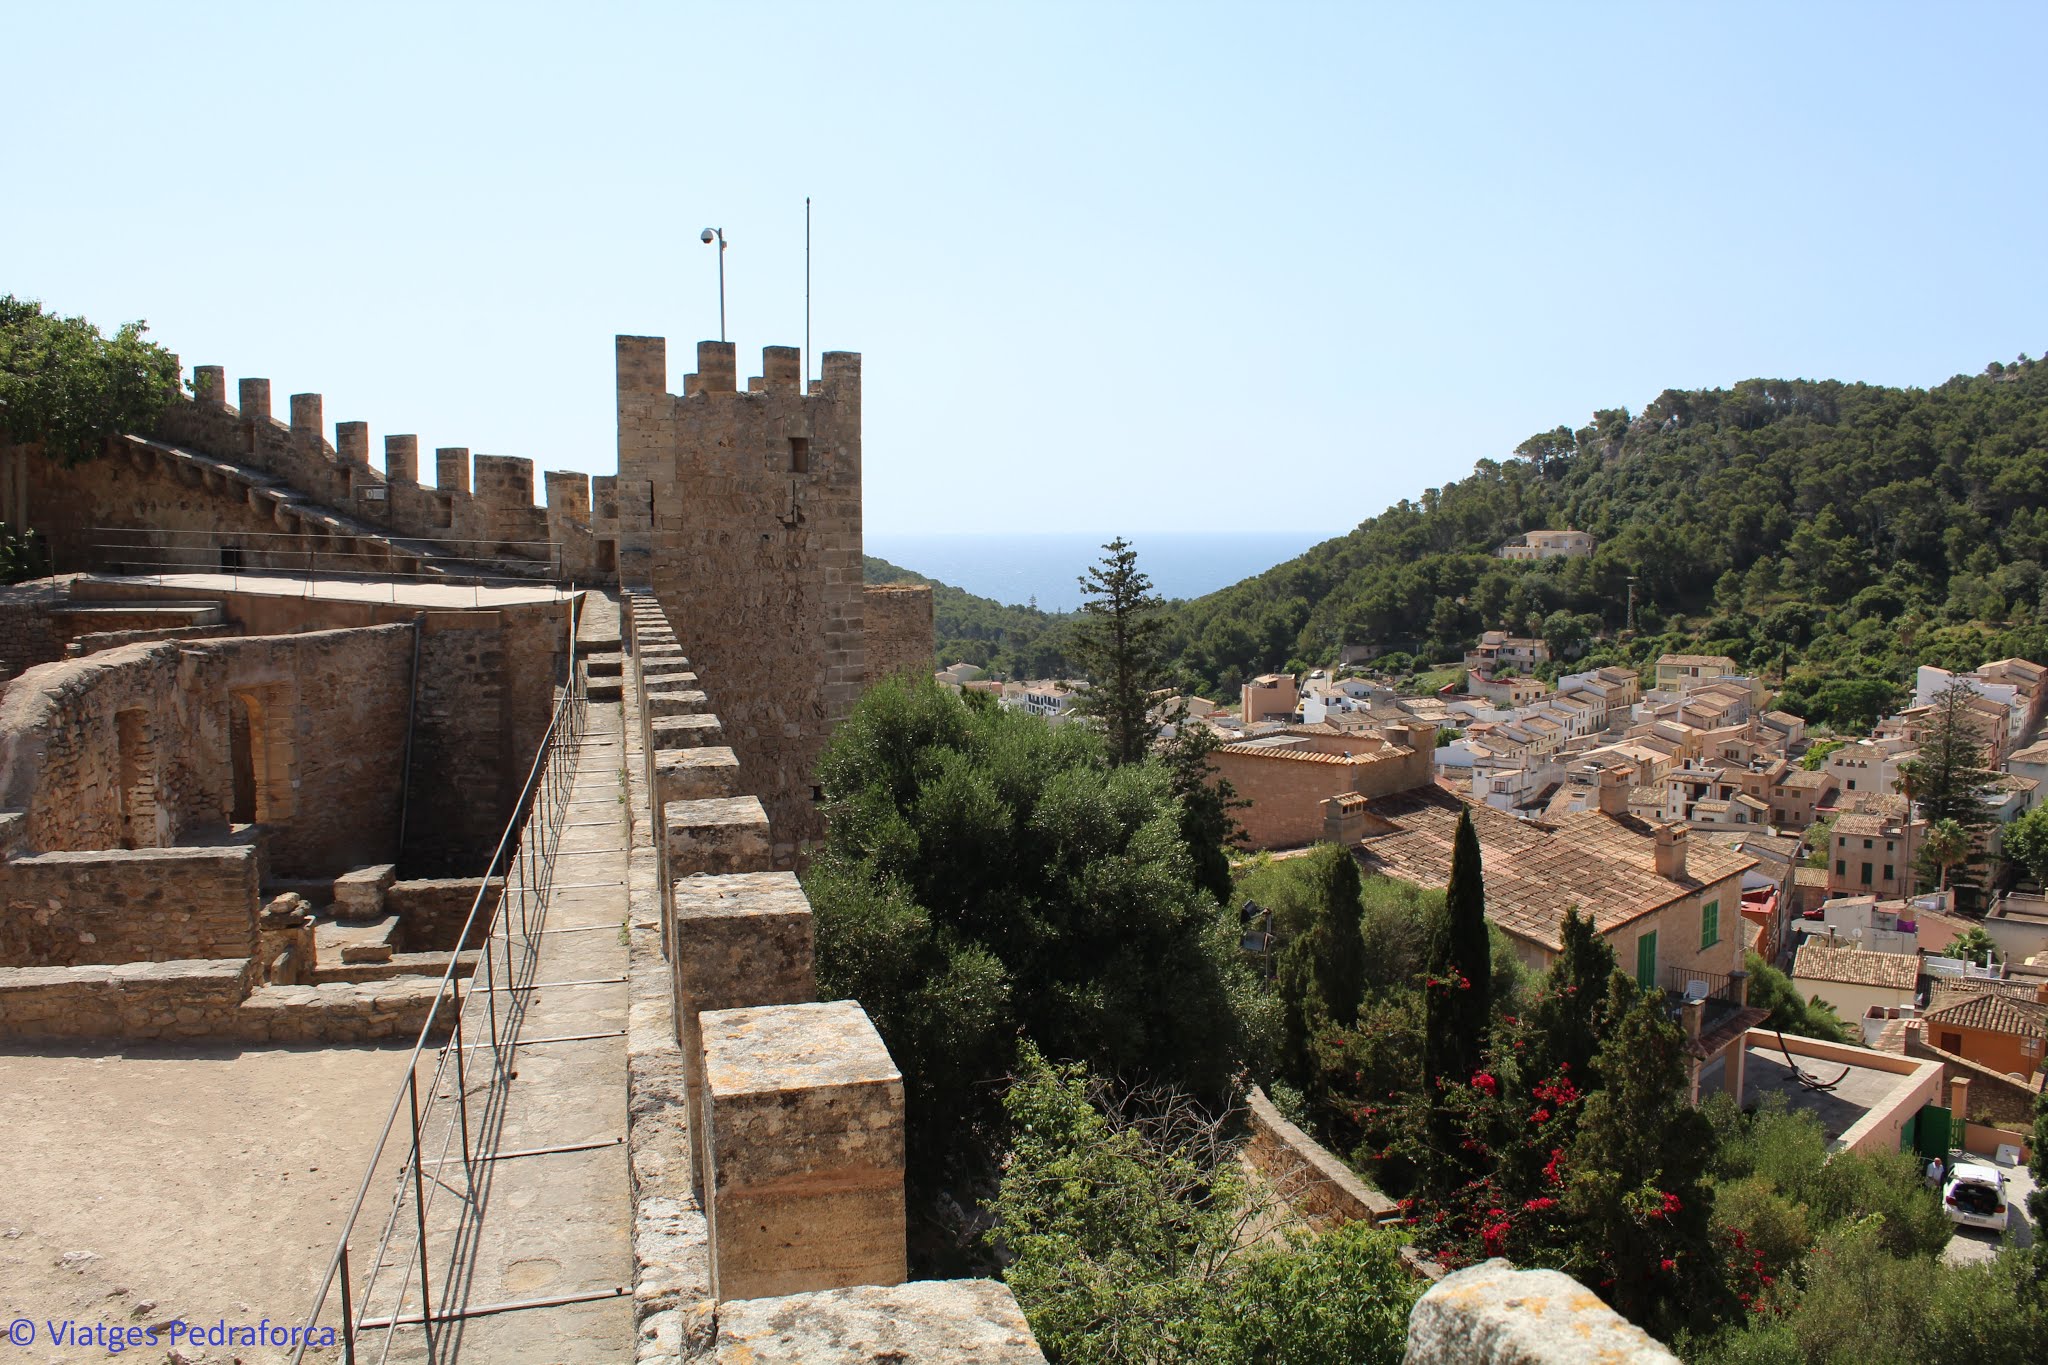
708 236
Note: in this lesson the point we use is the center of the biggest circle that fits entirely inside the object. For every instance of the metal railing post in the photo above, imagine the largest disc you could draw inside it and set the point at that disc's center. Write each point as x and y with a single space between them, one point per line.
348 1315
419 1207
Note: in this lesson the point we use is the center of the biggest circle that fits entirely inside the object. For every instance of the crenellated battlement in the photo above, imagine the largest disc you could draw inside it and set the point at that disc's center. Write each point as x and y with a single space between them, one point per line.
741 509
479 507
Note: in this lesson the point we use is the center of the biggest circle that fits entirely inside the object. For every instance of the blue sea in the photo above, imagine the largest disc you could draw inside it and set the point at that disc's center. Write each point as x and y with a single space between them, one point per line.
1041 569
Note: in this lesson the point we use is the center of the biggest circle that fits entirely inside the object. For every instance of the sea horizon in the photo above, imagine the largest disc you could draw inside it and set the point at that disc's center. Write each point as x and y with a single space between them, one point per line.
1042 569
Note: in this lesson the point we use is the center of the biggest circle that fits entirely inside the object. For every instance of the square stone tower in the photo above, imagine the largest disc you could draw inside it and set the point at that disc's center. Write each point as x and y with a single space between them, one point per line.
740 511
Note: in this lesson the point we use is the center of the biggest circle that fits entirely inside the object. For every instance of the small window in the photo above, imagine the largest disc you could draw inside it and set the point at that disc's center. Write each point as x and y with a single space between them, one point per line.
1888 871
230 557
1866 843
799 454
1710 924
1951 1042
1866 874
1841 868
1887 845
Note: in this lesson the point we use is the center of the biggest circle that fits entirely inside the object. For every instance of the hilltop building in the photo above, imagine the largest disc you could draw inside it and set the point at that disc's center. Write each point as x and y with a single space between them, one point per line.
1548 545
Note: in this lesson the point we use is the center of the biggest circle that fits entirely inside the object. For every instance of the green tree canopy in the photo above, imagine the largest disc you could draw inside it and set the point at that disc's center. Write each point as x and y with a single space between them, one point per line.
988 877
64 384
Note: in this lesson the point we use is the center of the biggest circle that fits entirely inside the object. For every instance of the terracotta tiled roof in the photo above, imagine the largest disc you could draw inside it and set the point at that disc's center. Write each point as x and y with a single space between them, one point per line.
1800 777
1603 865
1875 803
2033 753
1854 967
1866 824
1948 990
1809 876
1996 1012
1690 660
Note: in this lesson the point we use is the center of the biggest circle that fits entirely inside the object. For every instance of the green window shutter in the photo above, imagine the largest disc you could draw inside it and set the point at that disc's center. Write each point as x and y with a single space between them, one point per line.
1646 961
1710 924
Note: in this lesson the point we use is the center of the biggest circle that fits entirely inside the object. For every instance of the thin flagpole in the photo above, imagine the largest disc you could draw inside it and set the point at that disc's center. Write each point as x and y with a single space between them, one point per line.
807 293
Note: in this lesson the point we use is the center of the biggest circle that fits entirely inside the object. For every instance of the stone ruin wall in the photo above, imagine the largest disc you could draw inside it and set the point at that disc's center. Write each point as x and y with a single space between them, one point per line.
899 631
111 906
169 936
135 747
487 690
741 510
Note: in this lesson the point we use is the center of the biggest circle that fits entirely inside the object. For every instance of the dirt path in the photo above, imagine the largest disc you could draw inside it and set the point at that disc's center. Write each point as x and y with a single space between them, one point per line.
146 1182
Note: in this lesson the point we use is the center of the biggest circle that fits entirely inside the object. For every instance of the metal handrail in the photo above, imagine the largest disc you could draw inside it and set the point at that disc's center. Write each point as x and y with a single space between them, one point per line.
564 731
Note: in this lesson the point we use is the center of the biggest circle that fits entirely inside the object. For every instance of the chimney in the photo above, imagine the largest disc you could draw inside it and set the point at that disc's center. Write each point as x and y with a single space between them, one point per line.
1344 819
1959 1098
1614 791
1692 1015
1671 852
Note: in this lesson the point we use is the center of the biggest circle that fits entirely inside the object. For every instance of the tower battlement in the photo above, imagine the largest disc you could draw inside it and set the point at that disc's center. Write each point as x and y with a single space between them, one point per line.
740 509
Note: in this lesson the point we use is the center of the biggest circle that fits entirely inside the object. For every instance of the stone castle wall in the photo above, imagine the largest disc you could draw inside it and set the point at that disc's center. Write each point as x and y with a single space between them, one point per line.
742 512
221 486
898 619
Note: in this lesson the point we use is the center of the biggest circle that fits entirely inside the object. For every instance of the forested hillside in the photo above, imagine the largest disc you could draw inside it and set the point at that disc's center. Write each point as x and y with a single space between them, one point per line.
1842 531
1008 642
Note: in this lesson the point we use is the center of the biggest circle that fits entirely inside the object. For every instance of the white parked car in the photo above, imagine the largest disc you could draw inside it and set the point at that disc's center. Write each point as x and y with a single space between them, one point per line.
1975 1195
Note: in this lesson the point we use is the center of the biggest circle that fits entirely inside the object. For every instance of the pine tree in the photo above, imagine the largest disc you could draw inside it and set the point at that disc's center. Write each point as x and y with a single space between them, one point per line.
1948 778
1458 1002
1117 646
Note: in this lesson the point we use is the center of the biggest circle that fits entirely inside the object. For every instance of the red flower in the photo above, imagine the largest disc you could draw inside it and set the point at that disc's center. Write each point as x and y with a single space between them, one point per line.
1671 1205
1667 1264
1540 1203
1540 1116
1482 1081
1550 1166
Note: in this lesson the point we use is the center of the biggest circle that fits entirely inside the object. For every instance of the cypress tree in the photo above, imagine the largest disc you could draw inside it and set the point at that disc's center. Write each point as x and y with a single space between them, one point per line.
1340 961
1458 1003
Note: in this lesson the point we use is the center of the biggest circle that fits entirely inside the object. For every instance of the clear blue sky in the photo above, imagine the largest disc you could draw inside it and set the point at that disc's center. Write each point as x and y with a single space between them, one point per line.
1125 267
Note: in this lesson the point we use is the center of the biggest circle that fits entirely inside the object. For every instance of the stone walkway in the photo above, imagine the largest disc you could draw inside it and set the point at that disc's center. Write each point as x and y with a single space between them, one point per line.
556 1221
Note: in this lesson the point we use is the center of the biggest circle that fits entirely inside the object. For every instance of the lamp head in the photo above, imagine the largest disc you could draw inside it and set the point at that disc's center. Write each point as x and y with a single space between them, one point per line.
705 236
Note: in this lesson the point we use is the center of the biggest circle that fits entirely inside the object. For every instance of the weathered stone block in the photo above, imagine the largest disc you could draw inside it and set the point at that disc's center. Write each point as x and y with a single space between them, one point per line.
676 701
684 732
925 1322
718 835
694 775
359 895
1494 1314
804 1143
739 941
